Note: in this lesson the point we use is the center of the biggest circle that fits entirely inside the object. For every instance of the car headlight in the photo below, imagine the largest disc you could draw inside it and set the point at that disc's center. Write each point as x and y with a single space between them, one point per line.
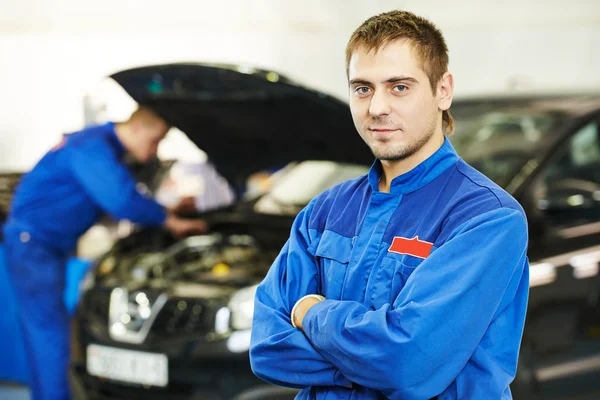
242 308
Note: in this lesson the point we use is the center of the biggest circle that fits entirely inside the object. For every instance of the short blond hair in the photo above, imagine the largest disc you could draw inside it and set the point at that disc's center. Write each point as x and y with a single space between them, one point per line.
426 39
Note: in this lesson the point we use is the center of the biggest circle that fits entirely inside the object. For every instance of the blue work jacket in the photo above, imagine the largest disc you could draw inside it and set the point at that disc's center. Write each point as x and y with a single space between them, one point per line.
426 289
77 181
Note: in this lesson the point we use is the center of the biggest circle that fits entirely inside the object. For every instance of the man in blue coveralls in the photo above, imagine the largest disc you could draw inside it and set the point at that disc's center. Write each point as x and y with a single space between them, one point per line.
63 196
412 281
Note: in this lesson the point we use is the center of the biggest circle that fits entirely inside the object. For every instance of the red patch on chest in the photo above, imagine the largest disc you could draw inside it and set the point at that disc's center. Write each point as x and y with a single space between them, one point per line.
413 247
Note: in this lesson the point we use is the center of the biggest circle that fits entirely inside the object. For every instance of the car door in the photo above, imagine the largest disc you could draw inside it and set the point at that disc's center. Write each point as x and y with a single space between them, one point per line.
561 346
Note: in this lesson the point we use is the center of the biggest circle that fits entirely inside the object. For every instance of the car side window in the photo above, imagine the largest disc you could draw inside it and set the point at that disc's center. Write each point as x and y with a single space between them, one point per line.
570 185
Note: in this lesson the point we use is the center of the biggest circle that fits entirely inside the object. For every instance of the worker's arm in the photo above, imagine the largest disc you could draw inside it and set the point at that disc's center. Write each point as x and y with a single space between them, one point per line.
417 346
279 353
108 182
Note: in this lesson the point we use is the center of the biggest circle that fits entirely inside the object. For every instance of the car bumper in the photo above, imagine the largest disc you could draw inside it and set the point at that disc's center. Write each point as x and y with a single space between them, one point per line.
208 383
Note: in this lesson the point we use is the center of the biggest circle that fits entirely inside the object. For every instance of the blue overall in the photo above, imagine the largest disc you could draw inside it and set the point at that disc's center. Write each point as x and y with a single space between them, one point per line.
426 288
63 196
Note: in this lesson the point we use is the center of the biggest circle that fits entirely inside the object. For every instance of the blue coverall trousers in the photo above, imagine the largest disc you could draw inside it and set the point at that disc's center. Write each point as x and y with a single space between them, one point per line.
37 273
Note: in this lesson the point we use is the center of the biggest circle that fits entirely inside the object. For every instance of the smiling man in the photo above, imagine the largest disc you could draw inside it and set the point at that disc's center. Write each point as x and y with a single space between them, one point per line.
412 281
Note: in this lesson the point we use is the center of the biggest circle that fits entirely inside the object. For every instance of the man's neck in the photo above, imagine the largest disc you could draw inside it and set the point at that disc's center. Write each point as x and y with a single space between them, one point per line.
393 169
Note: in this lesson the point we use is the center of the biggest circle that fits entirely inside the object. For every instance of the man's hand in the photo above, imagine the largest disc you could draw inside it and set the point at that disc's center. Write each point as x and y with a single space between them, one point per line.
301 308
186 205
180 227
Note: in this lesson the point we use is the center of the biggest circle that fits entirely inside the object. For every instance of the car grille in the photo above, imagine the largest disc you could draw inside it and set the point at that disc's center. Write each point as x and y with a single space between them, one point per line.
185 316
178 317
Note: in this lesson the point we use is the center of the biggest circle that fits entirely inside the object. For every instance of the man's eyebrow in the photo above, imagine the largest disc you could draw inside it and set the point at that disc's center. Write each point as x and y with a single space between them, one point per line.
401 78
359 82
393 79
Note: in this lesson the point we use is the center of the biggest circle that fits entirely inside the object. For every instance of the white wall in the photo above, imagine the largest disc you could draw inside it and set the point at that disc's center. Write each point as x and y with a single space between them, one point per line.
54 52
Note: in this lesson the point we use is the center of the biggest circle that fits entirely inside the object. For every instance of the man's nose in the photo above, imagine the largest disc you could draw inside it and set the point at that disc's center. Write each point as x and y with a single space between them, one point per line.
380 104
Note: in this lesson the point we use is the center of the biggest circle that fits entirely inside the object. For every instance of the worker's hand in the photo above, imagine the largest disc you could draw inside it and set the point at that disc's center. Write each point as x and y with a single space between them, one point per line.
180 227
301 308
186 205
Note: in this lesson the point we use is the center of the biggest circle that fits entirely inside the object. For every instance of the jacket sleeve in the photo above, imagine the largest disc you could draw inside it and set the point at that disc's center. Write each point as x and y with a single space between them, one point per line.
279 353
108 182
416 347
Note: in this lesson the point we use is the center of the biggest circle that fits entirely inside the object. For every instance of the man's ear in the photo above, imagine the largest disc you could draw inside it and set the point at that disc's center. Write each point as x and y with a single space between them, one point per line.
446 91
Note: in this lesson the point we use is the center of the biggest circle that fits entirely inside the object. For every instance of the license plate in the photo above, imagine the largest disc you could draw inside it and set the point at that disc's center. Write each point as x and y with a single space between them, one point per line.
128 365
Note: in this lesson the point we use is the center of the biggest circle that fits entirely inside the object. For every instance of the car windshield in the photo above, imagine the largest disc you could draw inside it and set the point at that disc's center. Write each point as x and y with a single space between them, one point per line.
498 139
297 184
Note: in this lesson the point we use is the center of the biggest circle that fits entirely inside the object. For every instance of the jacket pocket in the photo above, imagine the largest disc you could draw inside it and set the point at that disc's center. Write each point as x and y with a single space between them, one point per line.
403 267
400 271
333 255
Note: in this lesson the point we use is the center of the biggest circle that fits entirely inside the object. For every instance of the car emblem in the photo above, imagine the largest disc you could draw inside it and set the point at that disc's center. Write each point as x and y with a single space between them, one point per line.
131 315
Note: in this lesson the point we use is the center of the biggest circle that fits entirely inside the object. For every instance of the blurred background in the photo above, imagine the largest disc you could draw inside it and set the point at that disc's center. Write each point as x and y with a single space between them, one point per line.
55 60
54 53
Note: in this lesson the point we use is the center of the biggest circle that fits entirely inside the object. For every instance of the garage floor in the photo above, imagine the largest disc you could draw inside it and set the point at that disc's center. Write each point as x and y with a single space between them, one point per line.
11 391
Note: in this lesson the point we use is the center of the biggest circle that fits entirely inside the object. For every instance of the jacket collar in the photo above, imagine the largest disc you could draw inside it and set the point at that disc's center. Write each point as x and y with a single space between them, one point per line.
419 176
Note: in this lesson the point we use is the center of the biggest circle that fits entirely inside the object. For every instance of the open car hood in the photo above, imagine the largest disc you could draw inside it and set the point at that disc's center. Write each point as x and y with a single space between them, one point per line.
247 119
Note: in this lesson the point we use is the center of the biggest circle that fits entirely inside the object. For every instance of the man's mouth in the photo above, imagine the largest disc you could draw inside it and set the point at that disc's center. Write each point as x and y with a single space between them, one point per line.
381 133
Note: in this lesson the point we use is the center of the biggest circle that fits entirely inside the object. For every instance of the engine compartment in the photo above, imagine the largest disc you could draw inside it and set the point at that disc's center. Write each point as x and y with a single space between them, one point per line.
156 259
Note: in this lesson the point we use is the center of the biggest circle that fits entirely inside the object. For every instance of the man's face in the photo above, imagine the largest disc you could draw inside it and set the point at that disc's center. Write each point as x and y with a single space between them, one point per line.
147 138
392 104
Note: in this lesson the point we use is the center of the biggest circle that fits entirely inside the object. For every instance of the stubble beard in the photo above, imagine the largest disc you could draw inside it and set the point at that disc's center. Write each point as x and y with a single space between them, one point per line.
399 152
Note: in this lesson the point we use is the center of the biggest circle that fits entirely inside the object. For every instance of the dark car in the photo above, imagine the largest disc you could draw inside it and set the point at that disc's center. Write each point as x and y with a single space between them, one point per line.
200 290
166 318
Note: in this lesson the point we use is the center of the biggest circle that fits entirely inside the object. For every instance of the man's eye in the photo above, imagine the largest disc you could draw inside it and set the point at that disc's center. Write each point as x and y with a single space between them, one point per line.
400 88
362 90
